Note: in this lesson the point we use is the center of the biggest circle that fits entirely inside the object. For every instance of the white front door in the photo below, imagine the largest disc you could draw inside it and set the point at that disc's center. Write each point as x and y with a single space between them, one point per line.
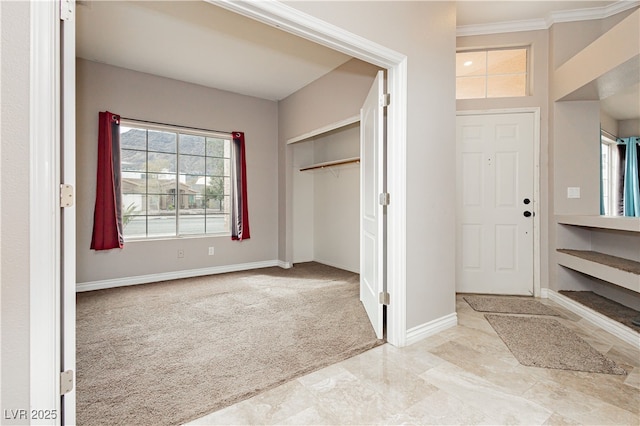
495 188
371 211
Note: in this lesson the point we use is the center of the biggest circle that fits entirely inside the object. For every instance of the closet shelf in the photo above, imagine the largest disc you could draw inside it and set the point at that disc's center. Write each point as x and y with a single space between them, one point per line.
620 223
616 270
331 164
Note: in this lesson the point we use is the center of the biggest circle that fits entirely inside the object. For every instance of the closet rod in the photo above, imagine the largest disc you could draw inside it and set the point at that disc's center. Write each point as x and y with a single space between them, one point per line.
174 125
331 164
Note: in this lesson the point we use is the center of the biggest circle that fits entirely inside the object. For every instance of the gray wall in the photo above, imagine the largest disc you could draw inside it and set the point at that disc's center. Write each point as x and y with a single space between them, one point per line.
143 96
575 158
426 33
14 202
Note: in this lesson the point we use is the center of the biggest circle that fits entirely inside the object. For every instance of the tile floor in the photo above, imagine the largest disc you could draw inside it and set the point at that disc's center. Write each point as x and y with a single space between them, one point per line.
464 375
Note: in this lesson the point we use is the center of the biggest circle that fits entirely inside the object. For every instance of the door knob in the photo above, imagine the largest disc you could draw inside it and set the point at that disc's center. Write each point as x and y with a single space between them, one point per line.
527 213
526 201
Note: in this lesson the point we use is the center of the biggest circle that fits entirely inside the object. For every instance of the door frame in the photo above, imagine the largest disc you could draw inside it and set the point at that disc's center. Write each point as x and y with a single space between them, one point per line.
291 20
46 260
536 179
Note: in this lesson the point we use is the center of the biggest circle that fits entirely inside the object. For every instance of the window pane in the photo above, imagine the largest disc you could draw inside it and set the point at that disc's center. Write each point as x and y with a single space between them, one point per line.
161 226
134 204
161 162
218 166
162 141
191 165
132 160
192 223
216 205
190 144
470 87
506 85
217 147
161 204
507 61
215 187
134 226
133 183
217 223
471 63
133 138
161 183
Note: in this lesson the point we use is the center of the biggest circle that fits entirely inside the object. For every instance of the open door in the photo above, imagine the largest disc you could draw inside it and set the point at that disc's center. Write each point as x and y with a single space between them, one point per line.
372 203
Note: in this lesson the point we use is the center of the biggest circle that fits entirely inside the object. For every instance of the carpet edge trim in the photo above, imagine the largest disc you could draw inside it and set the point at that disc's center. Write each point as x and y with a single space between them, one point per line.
303 372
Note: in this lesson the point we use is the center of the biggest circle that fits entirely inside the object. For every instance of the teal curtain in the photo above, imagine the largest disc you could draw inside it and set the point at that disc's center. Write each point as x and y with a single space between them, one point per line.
631 181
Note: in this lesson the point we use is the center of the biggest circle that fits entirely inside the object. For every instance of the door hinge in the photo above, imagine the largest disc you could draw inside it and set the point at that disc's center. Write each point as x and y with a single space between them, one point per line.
385 99
384 199
66 195
66 382
66 10
383 298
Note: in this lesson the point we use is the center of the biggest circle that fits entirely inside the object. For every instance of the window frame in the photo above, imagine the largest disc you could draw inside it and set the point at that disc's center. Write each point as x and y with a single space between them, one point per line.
609 201
178 130
486 75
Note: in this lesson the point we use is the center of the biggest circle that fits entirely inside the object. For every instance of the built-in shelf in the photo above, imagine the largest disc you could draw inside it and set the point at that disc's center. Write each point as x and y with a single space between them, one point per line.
619 223
616 270
324 129
335 163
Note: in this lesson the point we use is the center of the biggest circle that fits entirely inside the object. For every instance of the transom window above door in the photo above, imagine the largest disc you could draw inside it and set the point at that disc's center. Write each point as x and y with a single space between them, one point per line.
492 73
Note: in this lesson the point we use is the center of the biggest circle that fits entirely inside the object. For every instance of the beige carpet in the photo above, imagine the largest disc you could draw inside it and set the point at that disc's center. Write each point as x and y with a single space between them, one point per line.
604 306
544 342
508 305
170 352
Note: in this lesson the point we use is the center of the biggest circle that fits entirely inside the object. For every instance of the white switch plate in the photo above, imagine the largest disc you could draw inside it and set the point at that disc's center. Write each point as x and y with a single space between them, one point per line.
573 192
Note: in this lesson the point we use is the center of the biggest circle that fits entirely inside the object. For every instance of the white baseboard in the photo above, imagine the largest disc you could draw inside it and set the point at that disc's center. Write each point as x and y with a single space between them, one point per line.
164 276
284 265
607 324
430 328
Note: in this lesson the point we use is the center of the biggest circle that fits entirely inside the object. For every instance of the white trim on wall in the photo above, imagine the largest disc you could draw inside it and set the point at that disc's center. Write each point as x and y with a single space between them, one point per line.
187 273
545 23
306 26
536 182
430 328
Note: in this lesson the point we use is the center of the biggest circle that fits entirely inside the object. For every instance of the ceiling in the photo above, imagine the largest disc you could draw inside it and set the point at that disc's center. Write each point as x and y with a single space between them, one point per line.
204 44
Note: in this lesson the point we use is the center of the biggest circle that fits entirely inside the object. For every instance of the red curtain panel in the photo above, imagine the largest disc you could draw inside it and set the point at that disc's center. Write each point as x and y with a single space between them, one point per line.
239 205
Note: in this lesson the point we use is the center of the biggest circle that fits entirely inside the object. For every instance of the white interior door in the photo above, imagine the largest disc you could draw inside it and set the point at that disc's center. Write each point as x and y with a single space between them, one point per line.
371 210
495 188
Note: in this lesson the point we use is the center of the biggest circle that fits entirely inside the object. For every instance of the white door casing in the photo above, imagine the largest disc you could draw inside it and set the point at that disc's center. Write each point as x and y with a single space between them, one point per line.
371 211
68 214
495 160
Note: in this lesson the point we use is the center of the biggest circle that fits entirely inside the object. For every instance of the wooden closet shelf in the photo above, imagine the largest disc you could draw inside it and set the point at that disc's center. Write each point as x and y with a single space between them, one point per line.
616 270
331 164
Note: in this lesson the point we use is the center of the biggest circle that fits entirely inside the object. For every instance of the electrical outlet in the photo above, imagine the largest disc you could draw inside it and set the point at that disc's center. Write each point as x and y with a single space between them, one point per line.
211 251
180 253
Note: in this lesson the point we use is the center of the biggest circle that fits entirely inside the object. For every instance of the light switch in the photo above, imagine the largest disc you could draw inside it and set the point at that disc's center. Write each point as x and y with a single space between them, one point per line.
573 192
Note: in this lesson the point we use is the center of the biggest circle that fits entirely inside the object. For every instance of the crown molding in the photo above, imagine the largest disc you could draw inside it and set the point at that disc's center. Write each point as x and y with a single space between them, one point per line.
546 23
